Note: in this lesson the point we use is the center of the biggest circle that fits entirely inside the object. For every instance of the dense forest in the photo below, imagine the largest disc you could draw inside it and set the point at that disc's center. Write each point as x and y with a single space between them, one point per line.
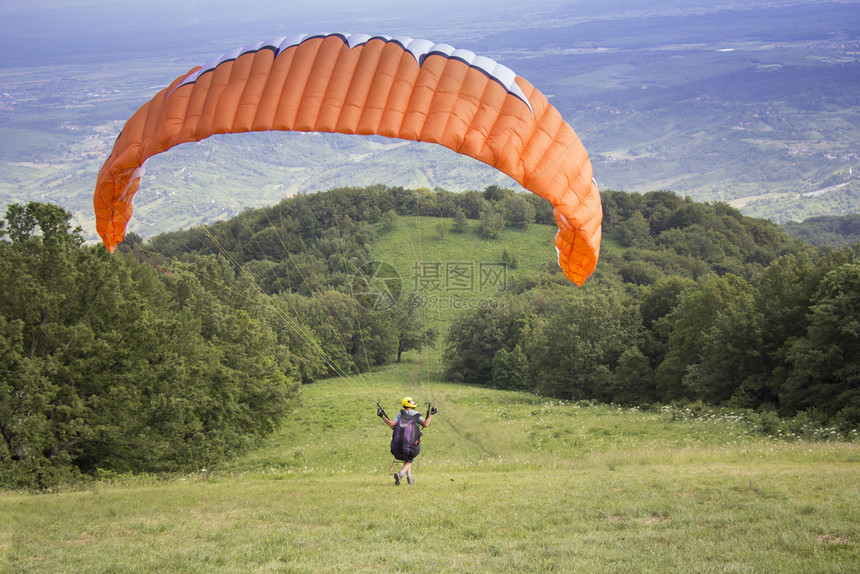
701 305
176 352
111 365
832 230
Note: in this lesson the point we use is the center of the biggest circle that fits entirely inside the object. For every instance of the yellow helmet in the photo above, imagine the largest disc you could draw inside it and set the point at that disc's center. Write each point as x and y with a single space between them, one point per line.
408 403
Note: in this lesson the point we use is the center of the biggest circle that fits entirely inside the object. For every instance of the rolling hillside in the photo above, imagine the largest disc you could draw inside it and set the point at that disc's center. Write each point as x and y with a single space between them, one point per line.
505 482
752 105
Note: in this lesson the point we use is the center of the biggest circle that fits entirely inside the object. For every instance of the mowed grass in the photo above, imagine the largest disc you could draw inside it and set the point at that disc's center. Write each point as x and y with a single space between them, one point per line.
506 482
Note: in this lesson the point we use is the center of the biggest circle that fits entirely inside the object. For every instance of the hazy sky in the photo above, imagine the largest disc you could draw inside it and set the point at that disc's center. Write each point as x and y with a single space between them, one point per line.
69 17
55 29
176 12
65 31
224 7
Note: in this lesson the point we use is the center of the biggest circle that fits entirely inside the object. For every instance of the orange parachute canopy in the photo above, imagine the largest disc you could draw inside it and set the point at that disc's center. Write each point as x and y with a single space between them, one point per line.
359 84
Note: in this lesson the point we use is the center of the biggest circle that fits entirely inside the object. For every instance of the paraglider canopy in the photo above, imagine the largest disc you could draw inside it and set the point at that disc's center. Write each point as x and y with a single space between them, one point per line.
396 87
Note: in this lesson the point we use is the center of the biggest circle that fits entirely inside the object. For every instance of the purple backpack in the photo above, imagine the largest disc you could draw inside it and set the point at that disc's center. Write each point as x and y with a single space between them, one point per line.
406 439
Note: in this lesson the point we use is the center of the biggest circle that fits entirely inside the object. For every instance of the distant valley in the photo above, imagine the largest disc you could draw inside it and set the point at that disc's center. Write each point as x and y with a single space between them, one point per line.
757 107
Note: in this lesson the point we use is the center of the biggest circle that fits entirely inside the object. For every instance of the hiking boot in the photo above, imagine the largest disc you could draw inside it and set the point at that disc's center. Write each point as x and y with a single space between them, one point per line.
397 477
410 480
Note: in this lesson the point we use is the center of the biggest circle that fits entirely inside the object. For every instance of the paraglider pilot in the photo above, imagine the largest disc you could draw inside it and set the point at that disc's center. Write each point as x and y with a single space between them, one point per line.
406 437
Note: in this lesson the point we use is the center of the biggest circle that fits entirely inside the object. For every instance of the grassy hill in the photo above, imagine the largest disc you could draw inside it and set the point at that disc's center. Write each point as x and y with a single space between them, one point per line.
453 272
419 246
506 482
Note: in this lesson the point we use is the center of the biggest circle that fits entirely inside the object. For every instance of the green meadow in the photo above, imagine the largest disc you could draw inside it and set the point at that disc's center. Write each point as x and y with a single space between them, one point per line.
506 482
453 272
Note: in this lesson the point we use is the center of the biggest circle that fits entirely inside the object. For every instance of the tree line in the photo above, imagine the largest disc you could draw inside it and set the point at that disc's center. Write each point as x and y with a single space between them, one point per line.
140 361
832 230
181 350
108 364
696 303
177 352
690 302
